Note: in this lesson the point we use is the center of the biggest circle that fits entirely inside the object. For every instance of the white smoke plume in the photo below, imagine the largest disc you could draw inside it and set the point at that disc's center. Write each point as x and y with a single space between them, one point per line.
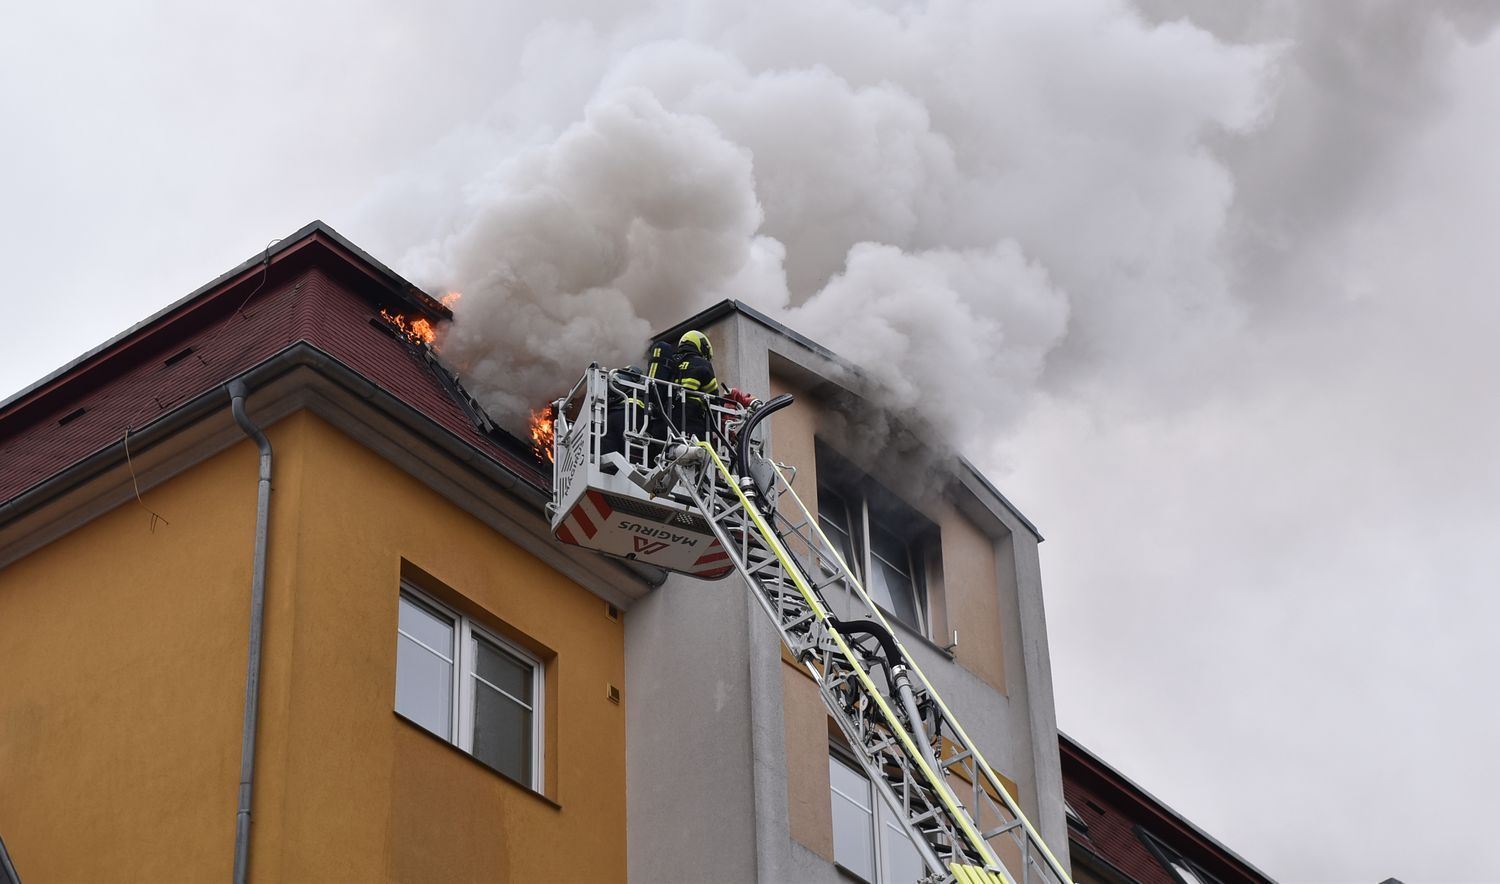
1230 262
941 193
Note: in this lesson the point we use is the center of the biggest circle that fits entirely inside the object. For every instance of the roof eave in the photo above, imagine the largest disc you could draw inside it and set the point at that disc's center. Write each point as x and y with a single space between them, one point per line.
297 355
1106 771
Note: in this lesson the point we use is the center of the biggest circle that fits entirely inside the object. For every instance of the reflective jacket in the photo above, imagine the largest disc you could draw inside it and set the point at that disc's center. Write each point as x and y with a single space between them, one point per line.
695 373
660 364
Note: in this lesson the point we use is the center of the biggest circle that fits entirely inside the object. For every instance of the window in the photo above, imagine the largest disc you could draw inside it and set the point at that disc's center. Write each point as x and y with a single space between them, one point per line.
868 840
470 687
1075 819
1185 870
881 539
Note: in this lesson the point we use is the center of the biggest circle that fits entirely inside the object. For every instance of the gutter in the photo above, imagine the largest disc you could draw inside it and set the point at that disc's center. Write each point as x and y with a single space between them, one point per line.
298 355
237 393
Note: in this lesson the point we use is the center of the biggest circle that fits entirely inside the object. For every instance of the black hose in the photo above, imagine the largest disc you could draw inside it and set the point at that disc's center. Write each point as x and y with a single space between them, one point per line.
754 420
742 466
882 637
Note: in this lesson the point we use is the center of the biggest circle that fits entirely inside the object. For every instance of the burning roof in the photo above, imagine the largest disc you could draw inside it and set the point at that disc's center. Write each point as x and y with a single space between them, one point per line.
314 288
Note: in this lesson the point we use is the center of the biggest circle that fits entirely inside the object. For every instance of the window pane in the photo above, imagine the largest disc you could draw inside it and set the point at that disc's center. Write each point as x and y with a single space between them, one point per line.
502 733
504 671
892 551
841 542
831 507
893 591
424 686
900 860
833 518
427 626
853 823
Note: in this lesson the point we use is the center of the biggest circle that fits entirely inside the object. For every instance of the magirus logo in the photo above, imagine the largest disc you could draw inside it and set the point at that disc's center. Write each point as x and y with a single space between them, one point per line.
660 534
649 546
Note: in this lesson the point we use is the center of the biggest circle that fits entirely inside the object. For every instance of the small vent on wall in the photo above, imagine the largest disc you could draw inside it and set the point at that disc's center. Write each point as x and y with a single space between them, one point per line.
613 693
177 357
71 416
611 612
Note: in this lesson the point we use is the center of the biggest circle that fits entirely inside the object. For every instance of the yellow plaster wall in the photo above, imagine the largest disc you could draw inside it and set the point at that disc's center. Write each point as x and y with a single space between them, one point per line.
124 656
122 665
429 811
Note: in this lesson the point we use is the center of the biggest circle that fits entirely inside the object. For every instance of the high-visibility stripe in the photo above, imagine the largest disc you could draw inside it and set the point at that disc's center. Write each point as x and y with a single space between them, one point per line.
601 504
584 522
708 558
564 534
973 874
800 581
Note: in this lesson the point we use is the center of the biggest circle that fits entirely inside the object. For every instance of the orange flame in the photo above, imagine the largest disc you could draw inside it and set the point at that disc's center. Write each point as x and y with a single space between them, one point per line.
418 331
541 433
450 299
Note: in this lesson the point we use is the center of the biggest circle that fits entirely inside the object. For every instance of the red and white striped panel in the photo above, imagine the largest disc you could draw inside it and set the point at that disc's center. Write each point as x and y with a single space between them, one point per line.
584 520
709 565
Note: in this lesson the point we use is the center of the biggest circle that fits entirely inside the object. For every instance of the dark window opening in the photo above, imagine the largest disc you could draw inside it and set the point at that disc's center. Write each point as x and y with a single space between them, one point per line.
884 541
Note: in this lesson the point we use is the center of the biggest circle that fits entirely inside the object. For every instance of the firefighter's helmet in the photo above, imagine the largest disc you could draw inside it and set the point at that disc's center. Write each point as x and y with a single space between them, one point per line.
698 341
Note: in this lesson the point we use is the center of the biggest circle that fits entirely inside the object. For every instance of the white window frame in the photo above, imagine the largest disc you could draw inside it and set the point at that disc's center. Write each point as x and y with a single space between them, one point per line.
881 817
461 685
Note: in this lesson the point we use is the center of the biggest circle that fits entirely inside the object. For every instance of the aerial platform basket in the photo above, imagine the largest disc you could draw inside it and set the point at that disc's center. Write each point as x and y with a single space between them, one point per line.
603 447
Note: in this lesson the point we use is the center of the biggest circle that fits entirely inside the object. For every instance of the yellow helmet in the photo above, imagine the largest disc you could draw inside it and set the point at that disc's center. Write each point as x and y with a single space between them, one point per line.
698 341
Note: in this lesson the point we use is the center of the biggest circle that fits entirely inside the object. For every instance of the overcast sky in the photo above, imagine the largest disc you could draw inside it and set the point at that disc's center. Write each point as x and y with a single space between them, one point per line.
1212 298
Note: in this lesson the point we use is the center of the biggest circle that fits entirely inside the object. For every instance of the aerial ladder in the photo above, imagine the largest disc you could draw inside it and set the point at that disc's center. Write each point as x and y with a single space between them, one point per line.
628 480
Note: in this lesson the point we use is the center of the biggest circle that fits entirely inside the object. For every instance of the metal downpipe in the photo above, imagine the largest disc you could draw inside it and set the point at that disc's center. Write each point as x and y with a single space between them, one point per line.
237 393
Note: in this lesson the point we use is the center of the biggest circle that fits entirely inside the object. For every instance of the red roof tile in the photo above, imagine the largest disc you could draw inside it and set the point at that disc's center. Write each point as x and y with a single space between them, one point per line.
316 289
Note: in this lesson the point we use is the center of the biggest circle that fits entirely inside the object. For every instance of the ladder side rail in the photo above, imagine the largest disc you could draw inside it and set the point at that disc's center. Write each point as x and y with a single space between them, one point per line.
982 767
959 817
968 772
830 677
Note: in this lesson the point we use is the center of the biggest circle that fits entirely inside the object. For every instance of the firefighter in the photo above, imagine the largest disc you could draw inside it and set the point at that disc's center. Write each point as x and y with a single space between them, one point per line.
693 365
660 373
617 414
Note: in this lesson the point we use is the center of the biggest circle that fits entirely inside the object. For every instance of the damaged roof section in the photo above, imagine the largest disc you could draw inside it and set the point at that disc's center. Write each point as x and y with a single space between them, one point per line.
313 287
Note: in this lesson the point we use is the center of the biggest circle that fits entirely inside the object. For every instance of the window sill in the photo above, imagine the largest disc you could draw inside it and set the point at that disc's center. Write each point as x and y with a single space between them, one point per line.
475 761
907 632
847 875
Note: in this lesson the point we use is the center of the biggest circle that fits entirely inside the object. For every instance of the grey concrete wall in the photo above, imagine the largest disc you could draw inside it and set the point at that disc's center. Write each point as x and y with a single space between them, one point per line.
706 766
1021 549
691 810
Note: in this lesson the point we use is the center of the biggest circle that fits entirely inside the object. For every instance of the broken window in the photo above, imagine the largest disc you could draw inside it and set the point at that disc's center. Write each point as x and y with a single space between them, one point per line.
469 686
